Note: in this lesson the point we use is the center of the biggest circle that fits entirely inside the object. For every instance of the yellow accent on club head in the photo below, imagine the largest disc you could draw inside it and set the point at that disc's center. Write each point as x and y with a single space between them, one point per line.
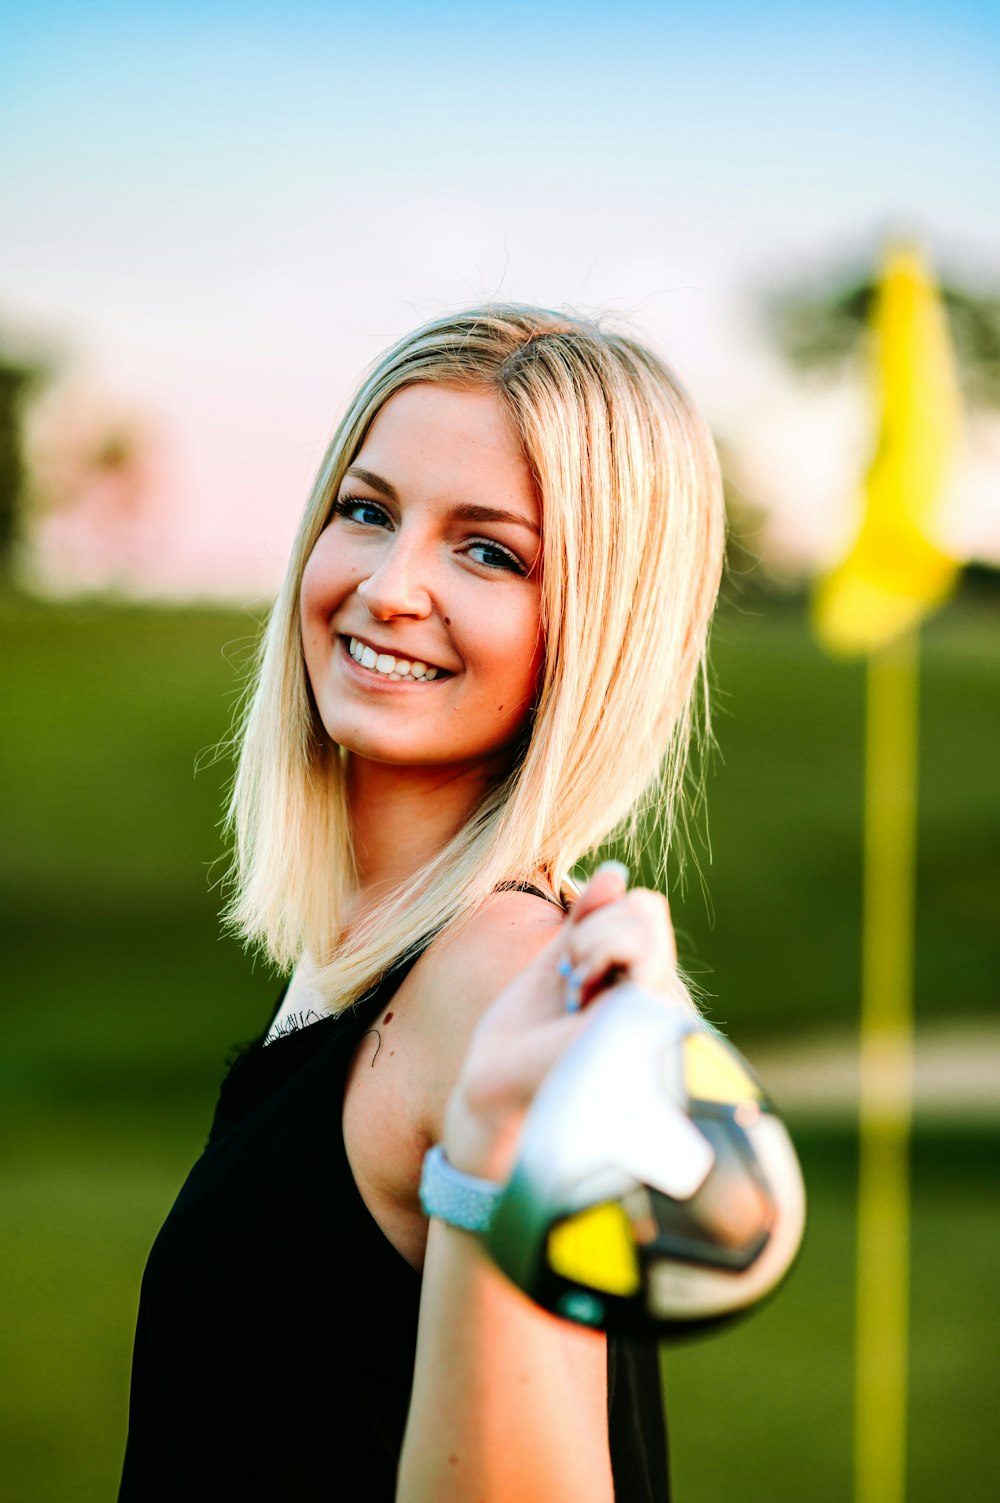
595 1248
712 1072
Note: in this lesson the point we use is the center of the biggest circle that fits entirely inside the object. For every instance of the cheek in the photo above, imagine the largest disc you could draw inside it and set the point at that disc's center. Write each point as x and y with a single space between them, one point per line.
312 576
322 586
533 642
519 661
533 677
309 618
318 599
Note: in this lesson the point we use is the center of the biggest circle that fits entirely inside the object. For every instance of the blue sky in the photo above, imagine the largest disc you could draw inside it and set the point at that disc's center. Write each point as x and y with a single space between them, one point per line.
202 197
867 103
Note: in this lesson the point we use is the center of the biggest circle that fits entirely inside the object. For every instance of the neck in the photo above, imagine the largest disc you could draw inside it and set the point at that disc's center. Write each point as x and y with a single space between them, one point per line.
401 817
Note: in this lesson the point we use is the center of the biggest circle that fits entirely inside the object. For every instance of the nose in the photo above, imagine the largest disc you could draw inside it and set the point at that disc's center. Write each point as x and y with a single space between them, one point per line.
398 586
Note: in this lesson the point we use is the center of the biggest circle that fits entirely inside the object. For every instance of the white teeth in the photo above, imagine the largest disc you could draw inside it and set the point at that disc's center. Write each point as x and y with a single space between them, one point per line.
384 663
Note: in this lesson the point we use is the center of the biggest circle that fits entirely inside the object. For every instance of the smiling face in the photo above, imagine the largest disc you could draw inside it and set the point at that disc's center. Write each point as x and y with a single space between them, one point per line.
420 602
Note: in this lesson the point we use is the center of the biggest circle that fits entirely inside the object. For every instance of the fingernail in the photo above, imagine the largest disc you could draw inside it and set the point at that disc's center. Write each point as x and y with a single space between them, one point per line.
614 866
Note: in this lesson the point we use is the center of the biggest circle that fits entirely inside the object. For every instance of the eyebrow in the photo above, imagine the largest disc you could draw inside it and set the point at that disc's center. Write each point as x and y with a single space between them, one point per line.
465 511
375 481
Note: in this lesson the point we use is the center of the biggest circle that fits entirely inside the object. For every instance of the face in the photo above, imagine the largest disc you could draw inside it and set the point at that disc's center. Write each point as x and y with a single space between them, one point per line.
420 601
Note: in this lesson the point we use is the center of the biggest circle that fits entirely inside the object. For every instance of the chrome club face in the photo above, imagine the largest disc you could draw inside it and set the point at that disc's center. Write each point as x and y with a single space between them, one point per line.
655 1187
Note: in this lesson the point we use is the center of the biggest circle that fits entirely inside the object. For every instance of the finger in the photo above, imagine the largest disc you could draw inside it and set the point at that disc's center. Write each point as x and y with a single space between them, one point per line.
633 937
608 883
510 1076
487 1108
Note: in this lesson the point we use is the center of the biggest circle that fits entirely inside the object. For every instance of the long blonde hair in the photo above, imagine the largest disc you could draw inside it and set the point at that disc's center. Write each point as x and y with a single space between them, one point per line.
633 540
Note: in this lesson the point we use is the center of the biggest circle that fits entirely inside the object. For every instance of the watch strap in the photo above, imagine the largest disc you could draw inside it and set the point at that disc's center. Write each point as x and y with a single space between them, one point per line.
460 1199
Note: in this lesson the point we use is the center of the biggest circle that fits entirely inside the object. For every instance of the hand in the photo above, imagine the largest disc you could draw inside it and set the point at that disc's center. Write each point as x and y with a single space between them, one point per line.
610 934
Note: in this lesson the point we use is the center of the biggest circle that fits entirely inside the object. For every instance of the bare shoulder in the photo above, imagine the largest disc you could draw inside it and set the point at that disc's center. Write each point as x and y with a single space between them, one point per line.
479 956
462 972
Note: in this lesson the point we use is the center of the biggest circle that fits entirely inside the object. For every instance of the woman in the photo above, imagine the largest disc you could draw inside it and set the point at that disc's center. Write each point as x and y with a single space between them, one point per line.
485 655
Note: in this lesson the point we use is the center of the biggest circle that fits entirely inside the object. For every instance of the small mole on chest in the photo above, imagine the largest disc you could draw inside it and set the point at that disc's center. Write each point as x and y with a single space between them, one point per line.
387 1018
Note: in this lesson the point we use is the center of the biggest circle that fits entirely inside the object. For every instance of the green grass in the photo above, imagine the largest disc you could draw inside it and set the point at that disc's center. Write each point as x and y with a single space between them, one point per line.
121 1002
76 1230
112 844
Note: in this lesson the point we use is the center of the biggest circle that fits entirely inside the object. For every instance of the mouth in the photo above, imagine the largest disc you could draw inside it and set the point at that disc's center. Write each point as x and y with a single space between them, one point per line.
391 667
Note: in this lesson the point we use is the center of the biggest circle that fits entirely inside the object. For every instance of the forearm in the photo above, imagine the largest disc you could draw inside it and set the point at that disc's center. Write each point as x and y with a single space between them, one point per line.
509 1404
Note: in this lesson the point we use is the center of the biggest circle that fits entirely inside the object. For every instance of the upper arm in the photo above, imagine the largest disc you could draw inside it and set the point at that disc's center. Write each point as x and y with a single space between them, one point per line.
406 1067
460 976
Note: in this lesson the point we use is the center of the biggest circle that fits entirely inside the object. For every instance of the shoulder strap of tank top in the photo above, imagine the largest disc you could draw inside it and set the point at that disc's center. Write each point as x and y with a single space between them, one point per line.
391 980
536 892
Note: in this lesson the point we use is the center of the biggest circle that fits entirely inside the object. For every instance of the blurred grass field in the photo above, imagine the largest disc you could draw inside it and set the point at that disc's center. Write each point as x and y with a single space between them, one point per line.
121 1002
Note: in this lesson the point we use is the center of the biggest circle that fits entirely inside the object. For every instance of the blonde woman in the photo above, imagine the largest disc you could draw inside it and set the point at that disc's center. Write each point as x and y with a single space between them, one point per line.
487 653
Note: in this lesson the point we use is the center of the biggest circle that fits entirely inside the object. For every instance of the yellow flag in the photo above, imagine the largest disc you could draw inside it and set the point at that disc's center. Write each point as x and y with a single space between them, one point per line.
894 574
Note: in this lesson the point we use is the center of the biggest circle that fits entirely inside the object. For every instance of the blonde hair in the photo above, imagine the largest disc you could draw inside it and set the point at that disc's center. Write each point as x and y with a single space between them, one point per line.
633 536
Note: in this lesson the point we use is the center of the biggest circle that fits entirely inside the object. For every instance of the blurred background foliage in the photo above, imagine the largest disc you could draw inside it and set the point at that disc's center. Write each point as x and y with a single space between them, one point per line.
20 380
122 1000
820 325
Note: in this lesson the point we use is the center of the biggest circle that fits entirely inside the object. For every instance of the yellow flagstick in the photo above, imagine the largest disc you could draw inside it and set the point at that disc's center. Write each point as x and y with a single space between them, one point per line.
872 604
885 1106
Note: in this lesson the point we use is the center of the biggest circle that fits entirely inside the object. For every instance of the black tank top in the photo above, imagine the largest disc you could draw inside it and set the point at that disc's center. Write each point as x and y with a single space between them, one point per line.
277 1325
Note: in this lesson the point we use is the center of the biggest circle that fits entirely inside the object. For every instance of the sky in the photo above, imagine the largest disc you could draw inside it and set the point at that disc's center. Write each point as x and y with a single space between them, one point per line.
214 216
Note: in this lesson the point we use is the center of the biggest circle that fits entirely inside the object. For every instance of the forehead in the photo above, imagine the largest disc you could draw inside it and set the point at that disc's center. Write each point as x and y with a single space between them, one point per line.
451 444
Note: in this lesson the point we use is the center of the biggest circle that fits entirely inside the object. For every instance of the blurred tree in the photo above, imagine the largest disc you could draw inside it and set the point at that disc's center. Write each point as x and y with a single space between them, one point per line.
822 326
20 380
819 324
94 499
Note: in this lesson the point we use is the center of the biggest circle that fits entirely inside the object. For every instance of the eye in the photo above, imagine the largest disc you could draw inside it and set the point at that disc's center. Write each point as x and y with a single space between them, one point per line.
360 509
494 556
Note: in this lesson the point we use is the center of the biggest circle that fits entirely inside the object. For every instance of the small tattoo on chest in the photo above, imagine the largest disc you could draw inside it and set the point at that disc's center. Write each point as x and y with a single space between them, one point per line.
292 1022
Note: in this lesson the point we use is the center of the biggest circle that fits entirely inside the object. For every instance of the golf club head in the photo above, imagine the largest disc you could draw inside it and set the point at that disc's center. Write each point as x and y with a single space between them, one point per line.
656 1188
